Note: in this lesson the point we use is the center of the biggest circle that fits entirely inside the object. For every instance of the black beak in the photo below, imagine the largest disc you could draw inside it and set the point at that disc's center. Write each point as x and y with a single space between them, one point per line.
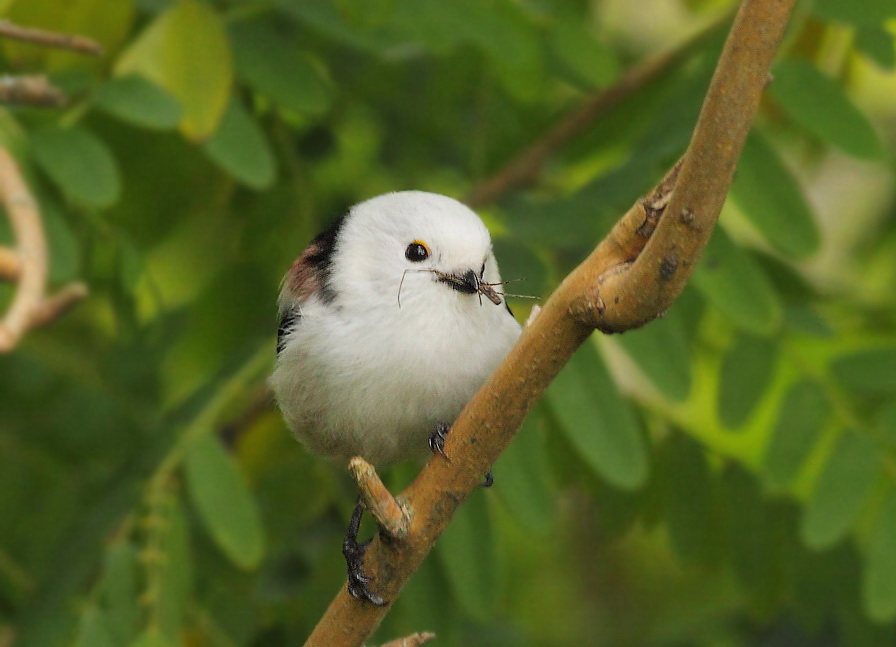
468 282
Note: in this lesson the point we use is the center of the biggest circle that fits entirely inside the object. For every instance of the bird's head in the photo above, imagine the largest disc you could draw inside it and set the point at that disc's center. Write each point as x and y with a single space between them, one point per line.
414 248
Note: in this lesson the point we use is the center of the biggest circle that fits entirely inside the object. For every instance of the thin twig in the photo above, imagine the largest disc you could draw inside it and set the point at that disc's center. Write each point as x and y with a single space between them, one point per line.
10 264
27 264
488 423
525 168
21 209
388 513
30 91
414 640
57 305
44 38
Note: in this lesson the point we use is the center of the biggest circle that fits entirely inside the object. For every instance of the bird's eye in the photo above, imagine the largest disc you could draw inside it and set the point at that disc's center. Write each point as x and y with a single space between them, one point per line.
417 251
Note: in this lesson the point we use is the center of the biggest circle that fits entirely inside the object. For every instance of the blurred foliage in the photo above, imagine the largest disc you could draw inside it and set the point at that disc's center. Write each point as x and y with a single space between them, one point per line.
724 476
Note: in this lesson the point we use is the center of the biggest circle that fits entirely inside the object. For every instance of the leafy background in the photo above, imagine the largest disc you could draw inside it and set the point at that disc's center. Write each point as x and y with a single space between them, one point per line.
722 477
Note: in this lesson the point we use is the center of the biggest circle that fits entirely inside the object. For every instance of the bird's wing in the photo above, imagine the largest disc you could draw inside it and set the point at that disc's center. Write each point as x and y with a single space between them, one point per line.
309 277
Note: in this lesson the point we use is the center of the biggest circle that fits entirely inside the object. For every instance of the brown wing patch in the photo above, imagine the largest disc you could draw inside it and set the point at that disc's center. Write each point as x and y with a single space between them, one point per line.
303 278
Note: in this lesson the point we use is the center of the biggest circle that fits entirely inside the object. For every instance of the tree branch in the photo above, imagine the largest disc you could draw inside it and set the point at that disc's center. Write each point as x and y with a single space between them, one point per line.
525 168
27 265
44 38
389 514
610 290
30 91
414 640
10 266
37 90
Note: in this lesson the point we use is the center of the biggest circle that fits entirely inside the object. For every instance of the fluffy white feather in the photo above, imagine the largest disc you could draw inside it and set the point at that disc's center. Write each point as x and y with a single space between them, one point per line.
359 375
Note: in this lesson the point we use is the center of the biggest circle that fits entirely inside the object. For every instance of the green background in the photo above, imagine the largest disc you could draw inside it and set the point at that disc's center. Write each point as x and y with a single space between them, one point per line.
725 476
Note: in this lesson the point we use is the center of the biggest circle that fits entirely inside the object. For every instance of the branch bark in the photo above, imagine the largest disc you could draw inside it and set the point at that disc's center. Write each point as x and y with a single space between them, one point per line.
631 278
27 265
414 640
37 90
30 91
53 39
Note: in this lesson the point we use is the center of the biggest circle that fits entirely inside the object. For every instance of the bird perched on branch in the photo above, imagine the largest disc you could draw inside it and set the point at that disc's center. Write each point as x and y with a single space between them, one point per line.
389 323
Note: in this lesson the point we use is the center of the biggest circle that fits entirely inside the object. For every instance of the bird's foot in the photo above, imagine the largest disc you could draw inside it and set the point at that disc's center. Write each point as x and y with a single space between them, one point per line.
353 551
437 446
437 439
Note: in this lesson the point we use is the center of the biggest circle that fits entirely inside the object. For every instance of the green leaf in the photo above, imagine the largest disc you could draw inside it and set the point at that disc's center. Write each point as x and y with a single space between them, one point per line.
867 12
770 197
510 43
736 284
224 502
92 631
65 248
523 471
754 553
885 423
120 592
173 580
468 555
870 370
152 637
519 263
241 149
817 103
687 493
877 44
803 413
267 59
598 421
185 51
79 163
842 487
431 25
744 376
661 351
879 575
139 101
588 58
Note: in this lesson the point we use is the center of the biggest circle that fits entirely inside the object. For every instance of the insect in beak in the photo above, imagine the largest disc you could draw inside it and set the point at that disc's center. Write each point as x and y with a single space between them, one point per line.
470 283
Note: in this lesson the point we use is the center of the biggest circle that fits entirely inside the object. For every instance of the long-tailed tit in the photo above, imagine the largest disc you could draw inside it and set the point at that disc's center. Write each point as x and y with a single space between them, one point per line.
389 323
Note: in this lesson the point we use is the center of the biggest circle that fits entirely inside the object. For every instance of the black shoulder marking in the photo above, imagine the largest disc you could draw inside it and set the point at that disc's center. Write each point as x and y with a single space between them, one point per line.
288 319
322 258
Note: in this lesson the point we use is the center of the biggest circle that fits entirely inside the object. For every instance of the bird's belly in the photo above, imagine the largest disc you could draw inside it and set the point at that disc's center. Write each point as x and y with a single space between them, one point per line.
382 398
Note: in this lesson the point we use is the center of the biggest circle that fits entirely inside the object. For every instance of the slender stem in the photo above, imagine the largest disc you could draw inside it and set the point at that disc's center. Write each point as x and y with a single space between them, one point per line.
55 306
44 38
31 249
525 168
389 514
10 265
414 640
30 91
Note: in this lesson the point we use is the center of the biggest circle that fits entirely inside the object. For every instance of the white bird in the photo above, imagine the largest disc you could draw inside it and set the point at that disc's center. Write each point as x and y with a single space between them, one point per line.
385 335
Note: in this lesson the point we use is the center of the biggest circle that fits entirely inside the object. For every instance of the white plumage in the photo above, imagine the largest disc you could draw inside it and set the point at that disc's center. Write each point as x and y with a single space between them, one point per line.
360 375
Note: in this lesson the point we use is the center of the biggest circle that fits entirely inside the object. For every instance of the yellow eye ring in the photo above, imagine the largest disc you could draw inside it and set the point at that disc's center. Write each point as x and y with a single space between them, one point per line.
417 251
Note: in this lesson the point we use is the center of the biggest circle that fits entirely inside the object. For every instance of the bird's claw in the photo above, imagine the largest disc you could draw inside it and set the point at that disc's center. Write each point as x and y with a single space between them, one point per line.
437 440
437 446
357 580
353 551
